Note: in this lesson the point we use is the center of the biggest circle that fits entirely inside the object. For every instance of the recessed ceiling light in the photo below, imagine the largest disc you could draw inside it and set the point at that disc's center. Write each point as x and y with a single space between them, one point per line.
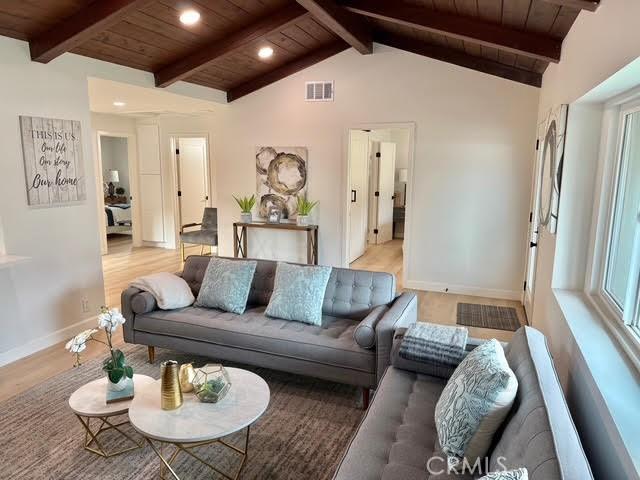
118 103
189 17
265 52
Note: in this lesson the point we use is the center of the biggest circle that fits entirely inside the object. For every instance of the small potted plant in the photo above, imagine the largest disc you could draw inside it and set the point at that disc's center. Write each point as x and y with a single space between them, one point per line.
304 209
246 204
119 374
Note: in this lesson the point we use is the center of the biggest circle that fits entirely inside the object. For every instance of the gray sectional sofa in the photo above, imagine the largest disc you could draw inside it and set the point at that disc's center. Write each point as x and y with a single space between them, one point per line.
397 436
360 314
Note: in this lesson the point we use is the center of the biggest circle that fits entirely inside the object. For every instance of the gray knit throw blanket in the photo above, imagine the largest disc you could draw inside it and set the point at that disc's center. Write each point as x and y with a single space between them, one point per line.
439 344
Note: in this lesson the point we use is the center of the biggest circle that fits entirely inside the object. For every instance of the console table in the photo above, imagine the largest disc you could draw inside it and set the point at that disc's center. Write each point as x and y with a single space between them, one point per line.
240 247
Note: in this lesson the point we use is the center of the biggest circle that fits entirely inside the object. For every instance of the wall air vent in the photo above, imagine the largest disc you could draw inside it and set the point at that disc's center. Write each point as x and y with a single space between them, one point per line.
319 91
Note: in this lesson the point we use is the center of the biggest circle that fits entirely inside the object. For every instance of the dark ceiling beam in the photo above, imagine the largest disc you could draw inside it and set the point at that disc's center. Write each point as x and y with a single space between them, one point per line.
203 56
591 5
459 58
541 47
284 71
80 27
347 26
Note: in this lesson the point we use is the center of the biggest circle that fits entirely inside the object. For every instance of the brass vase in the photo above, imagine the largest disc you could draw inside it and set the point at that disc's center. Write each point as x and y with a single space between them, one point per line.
187 372
170 393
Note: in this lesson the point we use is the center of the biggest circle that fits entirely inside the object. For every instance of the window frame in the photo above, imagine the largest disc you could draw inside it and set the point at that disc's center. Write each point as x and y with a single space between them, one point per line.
625 329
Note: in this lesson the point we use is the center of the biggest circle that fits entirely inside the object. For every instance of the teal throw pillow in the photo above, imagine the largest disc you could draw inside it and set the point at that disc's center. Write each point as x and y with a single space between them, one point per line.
226 285
298 293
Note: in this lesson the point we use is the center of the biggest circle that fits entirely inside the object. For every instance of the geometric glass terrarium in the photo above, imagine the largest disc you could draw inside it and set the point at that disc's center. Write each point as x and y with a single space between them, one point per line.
211 383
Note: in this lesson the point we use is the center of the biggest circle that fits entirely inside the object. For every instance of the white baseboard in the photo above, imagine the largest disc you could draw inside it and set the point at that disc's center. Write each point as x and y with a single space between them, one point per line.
46 341
464 290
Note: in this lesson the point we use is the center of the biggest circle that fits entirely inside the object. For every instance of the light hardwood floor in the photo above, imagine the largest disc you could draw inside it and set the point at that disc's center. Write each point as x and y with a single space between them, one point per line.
124 263
434 307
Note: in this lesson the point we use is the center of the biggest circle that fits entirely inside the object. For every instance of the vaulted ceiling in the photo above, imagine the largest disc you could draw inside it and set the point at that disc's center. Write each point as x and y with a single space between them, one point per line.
513 39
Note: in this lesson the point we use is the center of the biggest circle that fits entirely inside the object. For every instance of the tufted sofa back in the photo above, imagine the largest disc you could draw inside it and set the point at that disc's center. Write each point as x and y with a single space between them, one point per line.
350 293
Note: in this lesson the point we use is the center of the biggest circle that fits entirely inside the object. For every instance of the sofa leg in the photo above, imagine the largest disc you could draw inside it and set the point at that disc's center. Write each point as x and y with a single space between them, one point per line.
182 251
365 398
152 353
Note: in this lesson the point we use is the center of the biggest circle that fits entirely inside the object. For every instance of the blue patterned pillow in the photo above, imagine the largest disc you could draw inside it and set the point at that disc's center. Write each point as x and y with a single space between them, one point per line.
473 404
226 284
298 293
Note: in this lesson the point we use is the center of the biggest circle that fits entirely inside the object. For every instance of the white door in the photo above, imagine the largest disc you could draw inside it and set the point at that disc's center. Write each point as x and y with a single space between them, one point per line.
358 191
150 184
193 183
534 227
386 189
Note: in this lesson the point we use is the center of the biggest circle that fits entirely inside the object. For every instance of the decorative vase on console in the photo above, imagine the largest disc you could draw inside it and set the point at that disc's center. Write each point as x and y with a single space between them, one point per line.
119 374
246 204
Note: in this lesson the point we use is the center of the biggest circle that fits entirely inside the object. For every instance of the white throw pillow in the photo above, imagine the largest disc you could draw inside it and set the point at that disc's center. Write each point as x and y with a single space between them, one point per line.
474 403
519 474
169 290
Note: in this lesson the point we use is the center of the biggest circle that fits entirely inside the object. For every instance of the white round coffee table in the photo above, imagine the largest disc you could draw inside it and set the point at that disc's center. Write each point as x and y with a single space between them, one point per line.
89 402
195 424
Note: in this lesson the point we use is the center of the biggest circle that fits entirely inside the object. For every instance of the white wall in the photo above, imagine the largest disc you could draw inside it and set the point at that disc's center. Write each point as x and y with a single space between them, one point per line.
115 157
41 299
474 132
598 45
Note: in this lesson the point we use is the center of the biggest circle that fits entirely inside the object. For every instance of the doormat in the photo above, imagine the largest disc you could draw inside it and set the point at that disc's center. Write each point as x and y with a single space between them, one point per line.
487 316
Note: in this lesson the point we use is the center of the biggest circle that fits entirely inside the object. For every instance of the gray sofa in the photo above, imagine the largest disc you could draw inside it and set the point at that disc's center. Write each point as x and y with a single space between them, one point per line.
397 436
360 314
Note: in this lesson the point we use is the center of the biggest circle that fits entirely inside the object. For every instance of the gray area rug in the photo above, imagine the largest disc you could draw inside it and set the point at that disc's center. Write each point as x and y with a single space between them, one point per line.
302 435
487 316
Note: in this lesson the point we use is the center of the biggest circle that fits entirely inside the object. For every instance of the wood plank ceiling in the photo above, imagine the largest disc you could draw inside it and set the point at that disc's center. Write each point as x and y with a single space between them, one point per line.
514 39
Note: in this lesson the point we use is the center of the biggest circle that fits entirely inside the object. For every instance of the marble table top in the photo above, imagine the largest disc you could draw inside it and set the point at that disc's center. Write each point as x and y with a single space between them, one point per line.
90 400
195 421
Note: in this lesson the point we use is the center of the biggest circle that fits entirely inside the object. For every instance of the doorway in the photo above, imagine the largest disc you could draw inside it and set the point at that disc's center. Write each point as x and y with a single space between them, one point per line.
192 181
533 233
116 176
378 175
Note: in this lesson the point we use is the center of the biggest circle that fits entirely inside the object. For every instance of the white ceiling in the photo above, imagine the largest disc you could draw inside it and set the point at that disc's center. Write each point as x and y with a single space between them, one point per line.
141 101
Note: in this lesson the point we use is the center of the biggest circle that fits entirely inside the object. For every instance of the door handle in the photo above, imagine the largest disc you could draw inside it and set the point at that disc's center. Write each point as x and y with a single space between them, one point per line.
354 196
532 244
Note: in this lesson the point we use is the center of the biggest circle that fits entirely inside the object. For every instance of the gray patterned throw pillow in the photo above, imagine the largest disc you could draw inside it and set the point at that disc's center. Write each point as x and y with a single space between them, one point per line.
519 474
298 293
226 284
473 404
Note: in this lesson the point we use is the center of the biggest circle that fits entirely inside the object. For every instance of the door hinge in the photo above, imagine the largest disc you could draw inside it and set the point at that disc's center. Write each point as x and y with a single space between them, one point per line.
375 231
537 144
179 193
376 194
177 151
524 285
378 154
206 197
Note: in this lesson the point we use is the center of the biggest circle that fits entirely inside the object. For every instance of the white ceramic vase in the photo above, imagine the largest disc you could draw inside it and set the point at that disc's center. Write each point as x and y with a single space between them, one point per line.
302 220
245 217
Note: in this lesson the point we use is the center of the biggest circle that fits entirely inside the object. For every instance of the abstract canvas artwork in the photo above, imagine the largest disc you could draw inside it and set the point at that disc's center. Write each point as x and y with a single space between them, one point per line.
53 165
281 177
552 160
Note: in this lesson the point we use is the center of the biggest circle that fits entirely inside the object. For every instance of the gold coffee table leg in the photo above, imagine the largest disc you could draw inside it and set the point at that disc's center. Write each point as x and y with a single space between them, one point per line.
92 436
186 448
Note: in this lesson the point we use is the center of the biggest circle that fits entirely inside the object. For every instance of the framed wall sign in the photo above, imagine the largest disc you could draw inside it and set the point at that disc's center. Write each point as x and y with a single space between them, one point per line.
53 164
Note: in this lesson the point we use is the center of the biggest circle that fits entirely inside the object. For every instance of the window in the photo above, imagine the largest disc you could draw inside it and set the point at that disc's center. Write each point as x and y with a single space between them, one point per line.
621 279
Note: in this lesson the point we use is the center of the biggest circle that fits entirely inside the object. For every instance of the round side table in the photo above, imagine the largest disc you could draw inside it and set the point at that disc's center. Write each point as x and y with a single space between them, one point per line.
90 407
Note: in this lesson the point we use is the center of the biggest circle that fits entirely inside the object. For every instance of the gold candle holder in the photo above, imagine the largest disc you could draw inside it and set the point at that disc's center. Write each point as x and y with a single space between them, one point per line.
170 393
187 372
